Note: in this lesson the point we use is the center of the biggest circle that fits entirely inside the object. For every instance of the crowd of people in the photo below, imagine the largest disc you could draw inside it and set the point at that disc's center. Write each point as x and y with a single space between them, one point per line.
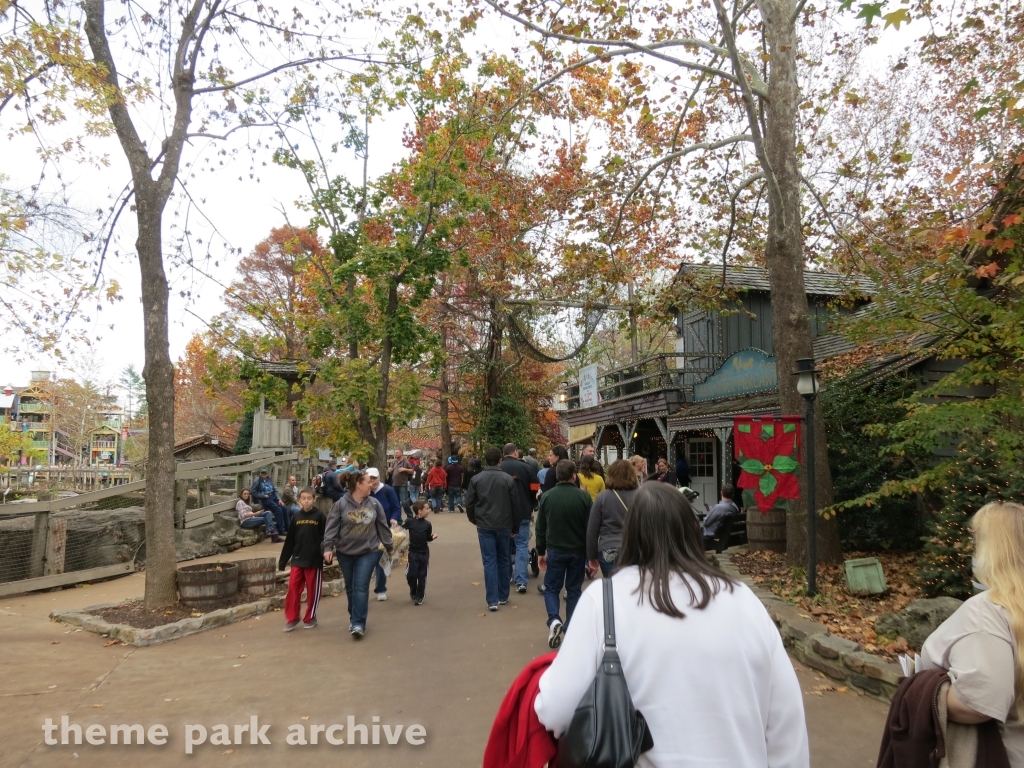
672 605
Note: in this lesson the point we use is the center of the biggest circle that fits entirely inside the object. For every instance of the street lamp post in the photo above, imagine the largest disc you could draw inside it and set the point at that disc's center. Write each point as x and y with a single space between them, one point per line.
807 386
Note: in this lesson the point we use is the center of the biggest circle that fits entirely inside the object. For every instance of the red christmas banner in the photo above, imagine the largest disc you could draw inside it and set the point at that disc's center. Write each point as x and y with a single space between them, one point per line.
768 452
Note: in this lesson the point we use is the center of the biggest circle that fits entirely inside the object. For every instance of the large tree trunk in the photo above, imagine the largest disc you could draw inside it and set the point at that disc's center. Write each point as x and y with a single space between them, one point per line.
492 376
150 198
791 328
161 557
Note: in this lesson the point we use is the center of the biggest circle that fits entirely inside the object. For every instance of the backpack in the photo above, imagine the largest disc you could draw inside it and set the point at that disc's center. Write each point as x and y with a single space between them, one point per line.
319 483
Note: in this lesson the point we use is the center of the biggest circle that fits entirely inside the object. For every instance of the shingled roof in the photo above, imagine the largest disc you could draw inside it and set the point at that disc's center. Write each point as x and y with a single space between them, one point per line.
816 283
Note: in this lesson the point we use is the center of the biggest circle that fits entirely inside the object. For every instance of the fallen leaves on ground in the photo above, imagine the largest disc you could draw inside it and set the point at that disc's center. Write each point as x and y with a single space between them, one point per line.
845 614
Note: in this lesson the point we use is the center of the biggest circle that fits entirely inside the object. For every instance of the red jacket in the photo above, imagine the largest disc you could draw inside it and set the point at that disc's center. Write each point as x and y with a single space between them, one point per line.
436 478
518 740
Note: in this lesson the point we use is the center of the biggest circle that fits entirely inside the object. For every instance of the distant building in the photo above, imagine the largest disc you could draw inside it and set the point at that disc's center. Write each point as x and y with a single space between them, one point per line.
200 447
30 410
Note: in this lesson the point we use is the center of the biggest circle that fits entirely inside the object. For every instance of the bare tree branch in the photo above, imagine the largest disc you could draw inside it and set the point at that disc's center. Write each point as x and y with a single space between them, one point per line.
732 218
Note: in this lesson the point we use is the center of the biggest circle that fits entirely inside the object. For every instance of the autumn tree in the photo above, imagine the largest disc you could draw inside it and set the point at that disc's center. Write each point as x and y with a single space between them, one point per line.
201 407
205 83
271 308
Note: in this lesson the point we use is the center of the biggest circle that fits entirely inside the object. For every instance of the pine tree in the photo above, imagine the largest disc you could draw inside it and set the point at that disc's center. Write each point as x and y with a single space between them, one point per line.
977 477
244 442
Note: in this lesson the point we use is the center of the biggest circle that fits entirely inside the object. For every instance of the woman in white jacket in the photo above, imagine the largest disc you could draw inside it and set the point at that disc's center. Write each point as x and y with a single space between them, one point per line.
703 660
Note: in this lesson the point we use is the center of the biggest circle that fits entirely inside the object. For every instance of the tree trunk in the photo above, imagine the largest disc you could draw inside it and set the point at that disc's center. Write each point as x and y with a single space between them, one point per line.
791 327
442 391
161 558
492 379
382 422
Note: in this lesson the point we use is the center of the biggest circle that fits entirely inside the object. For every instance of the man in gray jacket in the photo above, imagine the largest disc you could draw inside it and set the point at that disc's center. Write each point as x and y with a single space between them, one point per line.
493 506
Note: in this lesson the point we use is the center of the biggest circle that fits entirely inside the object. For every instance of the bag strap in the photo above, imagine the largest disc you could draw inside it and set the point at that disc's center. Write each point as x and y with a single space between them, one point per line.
609 616
620 500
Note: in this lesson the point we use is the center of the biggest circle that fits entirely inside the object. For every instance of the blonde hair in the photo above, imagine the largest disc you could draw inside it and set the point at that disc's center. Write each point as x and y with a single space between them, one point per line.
999 564
639 463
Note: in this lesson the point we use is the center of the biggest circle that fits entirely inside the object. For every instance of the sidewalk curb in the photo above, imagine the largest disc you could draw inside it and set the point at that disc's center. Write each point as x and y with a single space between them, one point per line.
842 660
86 620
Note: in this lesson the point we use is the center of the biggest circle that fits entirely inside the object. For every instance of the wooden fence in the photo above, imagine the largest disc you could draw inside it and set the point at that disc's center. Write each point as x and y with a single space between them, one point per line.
65 478
47 562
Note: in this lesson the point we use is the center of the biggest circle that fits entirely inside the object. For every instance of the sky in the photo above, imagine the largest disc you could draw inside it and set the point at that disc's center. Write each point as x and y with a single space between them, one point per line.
243 210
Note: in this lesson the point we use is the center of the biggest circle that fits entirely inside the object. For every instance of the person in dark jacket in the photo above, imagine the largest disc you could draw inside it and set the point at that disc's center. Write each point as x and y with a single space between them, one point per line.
527 486
264 493
455 472
421 533
562 546
303 550
473 469
387 497
556 454
332 486
682 471
663 474
493 506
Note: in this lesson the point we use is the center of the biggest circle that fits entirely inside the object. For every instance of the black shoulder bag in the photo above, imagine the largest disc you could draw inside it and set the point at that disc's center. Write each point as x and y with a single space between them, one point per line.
606 729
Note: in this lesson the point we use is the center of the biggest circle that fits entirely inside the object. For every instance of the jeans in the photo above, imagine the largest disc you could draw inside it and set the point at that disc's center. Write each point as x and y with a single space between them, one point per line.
262 518
437 498
454 498
607 566
293 510
404 498
522 572
414 492
416 573
279 512
357 569
494 546
380 581
568 570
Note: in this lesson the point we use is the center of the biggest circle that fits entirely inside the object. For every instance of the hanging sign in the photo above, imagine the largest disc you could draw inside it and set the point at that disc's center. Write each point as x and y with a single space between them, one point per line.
744 373
588 387
768 452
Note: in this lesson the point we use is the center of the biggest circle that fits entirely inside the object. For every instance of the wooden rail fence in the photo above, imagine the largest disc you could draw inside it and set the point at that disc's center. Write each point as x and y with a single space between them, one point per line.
49 535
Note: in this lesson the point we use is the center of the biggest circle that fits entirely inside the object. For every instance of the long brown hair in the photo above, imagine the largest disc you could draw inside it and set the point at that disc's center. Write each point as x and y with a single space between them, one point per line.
661 537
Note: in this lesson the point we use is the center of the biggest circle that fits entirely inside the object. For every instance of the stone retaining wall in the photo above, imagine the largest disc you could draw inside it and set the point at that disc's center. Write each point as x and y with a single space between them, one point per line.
88 621
809 642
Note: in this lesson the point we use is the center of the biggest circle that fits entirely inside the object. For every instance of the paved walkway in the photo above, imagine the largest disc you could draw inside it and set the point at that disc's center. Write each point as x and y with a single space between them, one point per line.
445 665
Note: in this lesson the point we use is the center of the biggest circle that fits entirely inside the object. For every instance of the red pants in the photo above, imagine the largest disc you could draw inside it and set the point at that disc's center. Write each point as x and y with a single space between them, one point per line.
311 579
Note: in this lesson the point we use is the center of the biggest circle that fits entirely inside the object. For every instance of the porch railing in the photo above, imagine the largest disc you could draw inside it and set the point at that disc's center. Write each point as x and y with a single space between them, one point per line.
669 370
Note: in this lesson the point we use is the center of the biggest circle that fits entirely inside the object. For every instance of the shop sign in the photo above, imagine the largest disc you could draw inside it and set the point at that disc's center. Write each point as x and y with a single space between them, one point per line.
588 387
745 373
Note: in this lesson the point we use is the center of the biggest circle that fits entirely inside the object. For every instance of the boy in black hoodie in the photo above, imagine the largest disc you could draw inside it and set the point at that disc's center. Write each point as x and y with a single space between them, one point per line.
303 546
421 533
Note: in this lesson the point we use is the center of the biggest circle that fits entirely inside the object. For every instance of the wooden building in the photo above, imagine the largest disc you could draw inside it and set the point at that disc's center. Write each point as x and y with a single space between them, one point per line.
682 404
200 447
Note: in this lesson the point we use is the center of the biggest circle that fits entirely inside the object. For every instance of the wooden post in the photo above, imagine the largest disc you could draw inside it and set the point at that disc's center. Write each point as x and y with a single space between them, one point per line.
39 535
180 499
56 544
239 484
204 492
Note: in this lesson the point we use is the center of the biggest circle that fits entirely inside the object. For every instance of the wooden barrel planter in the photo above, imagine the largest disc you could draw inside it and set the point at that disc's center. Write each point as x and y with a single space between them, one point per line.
766 531
257 575
208 586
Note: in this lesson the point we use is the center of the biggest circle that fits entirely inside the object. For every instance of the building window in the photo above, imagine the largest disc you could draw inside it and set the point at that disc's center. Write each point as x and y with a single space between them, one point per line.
702 458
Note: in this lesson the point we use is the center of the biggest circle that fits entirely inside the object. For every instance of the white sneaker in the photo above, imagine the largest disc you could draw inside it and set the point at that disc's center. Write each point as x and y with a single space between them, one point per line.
555 634
382 596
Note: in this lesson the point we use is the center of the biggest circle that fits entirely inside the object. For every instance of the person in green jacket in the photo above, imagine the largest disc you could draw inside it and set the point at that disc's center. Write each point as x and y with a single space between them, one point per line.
562 545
